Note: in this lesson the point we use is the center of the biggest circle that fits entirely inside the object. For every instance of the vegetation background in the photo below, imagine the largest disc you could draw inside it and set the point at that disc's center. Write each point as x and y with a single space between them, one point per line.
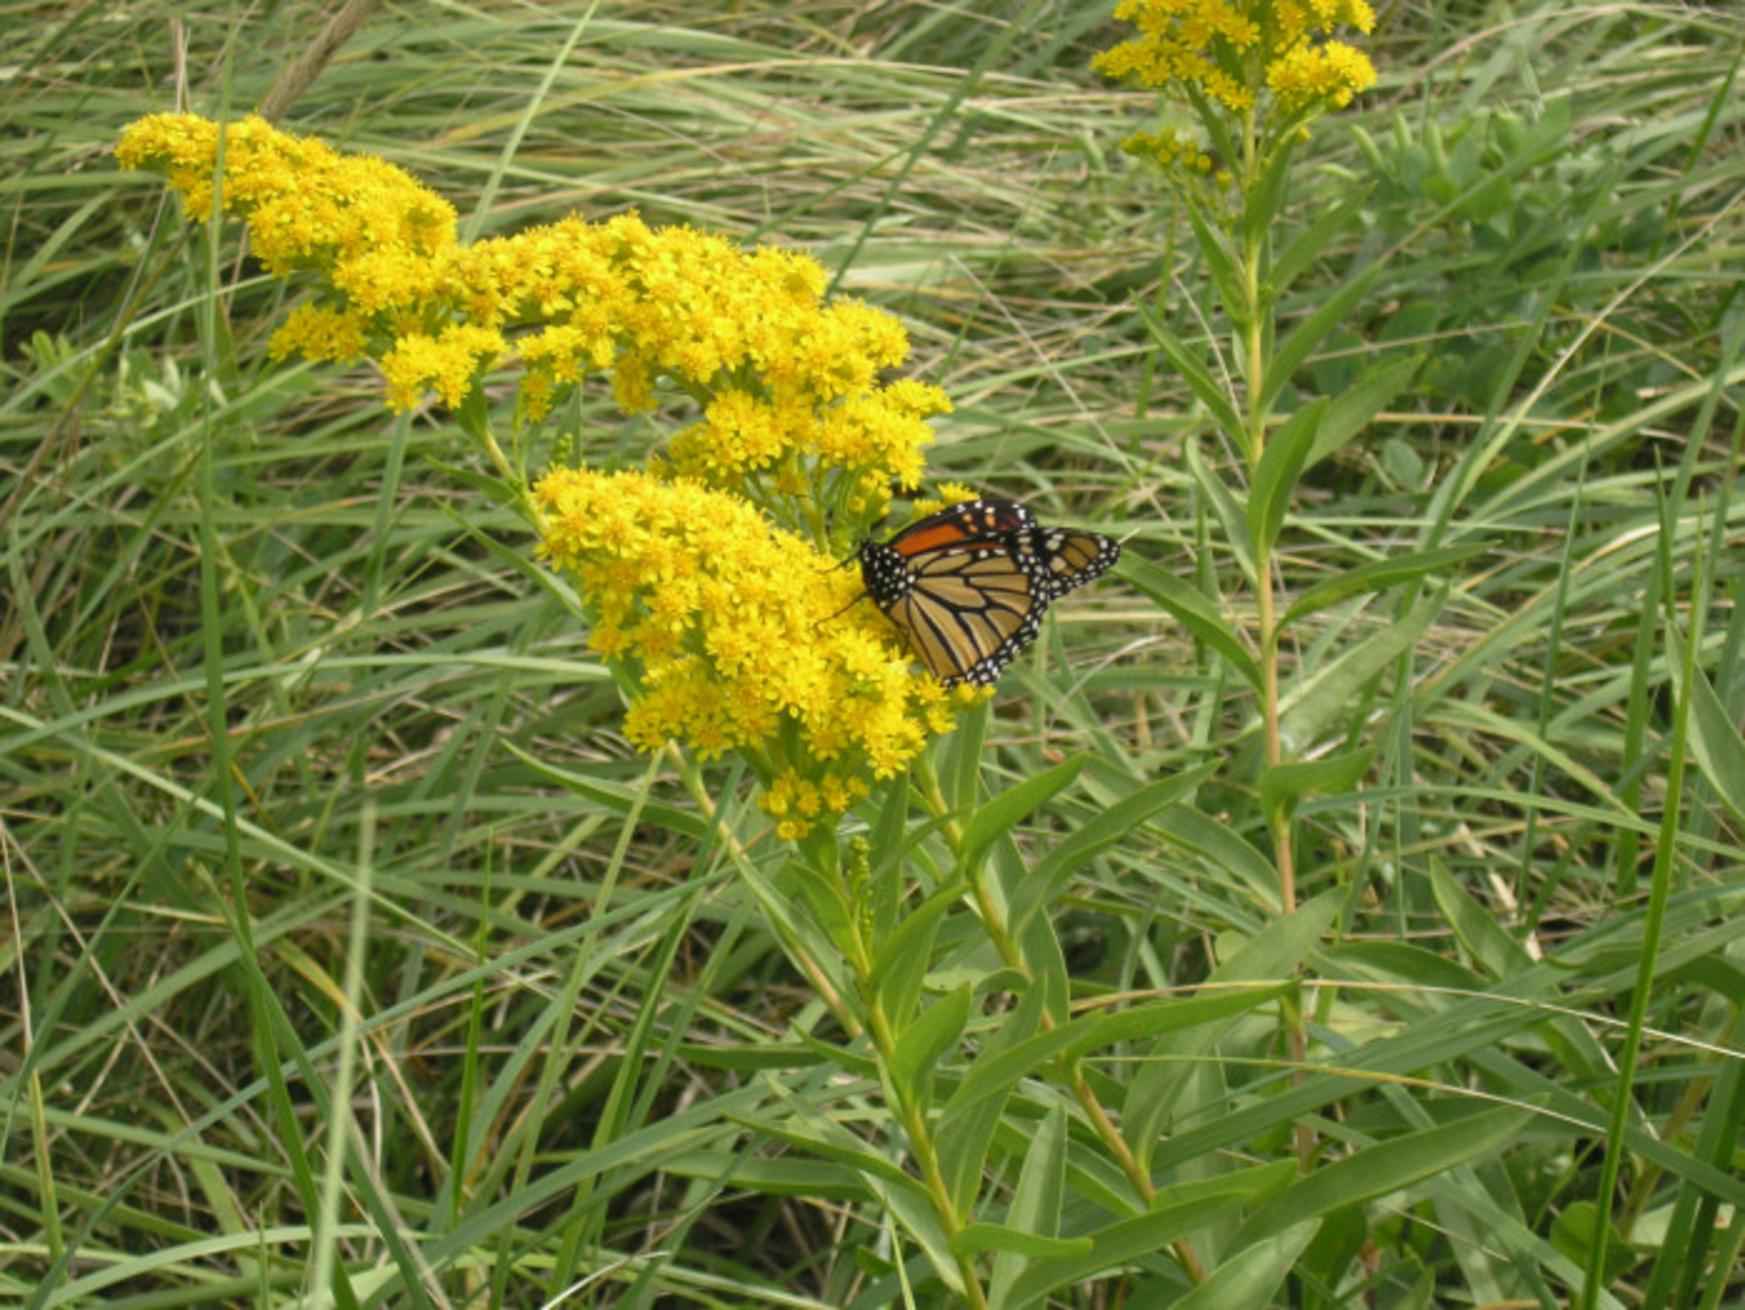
515 952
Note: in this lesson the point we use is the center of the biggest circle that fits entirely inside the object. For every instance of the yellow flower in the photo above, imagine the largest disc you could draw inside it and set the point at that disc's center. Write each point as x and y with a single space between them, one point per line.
797 802
1226 49
788 385
737 631
304 203
448 362
737 635
1333 73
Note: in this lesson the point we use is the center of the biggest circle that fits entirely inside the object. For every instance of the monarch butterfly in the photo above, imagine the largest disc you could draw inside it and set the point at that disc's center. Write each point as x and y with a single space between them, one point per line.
968 586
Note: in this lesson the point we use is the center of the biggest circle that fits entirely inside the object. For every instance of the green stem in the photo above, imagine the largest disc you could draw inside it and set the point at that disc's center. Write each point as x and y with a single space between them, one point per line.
1256 316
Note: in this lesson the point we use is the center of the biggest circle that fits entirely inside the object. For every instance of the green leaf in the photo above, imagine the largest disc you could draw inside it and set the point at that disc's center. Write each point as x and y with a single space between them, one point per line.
1188 606
1183 825
913 1208
1312 242
1276 478
1575 1231
962 771
1272 955
993 1075
1715 743
998 1237
963 1151
1121 1243
1247 1279
884 897
1325 698
1213 396
1159 1018
618 799
901 961
990 1076
829 1142
1103 829
1040 947
1387 1167
1352 409
1251 1186
1221 261
1379 576
1476 928
1308 334
788 1176
1284 785
1036 1204
1000 815
920 1045
823 896
1261 211
1231 514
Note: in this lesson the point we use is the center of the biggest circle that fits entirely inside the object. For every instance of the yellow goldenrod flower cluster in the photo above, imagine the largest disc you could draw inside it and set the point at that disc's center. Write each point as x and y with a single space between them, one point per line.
306 204
788 385
739 638
736 634
1227 49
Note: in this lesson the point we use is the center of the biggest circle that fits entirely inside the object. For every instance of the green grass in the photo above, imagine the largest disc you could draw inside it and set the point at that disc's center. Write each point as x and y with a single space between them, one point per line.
346 932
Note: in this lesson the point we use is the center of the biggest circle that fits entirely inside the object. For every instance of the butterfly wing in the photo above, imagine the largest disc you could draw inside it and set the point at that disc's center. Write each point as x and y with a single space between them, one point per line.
1067 559
968 586
968 612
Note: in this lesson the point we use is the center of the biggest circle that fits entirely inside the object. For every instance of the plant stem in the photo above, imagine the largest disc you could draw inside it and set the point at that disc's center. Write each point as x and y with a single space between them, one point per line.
1256 315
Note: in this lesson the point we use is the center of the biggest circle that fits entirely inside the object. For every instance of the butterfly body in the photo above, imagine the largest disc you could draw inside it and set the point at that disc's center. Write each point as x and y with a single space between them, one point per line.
968 586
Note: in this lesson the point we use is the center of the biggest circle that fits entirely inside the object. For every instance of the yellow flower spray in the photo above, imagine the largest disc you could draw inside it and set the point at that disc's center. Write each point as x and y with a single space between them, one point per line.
708 575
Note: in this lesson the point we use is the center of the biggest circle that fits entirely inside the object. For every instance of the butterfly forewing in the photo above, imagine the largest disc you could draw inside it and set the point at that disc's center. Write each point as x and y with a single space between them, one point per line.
968 586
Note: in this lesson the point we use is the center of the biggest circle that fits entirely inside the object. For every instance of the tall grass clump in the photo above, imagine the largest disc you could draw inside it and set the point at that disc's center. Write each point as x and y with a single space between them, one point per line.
469 842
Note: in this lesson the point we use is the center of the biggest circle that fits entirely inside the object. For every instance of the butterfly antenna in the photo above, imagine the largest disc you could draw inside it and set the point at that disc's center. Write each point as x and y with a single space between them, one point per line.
839 613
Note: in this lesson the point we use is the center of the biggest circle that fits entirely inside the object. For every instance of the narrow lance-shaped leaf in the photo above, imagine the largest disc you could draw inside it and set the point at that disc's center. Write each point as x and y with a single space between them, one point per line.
1103 829
1120 1243
1301 343
1715 743
1388 1167
1200 382
1326 697
921 1044
900 962
1231 514
1265 198
1312 242
1379 576
1247 1279
1286 454
1000 815
1283 786
1270 956
1188 606
1221 260
1035 1210
1353 409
